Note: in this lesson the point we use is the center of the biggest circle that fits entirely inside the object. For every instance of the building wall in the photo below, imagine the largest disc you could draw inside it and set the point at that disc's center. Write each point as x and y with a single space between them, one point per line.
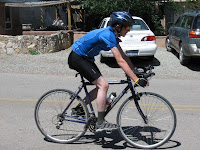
29 15
33 16
1 17
15 23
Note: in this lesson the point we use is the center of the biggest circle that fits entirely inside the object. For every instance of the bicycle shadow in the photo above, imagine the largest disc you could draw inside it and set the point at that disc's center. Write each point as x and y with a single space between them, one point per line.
137 61
115 141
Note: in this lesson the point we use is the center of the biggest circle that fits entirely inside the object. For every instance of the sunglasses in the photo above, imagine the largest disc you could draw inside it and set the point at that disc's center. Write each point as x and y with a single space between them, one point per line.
127 28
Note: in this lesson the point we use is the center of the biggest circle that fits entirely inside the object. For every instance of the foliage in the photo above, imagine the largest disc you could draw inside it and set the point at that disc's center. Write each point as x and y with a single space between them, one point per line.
96 10
33 52
158 28
182 7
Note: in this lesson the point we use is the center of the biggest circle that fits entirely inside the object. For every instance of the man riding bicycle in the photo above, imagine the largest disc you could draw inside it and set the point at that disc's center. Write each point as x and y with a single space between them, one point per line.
81 59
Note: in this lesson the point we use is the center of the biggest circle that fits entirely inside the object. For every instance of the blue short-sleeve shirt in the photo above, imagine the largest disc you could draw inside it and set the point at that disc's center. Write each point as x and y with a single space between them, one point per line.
94 41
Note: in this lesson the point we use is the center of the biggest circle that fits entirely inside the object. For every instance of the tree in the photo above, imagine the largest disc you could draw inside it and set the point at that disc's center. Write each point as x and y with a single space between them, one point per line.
152 11
96 10
184 6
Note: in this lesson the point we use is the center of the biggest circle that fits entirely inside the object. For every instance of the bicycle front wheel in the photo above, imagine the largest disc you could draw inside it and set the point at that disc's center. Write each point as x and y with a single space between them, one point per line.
53 124
152 132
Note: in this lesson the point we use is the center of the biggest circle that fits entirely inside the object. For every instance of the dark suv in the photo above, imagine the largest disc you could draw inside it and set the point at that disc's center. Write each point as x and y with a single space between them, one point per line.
184 36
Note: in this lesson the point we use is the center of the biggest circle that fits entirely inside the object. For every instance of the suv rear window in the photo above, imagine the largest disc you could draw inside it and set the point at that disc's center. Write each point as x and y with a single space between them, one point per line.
188 22
197 23
179 21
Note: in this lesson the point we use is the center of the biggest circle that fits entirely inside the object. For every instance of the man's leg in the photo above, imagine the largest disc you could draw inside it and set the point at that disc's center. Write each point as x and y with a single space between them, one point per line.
102 87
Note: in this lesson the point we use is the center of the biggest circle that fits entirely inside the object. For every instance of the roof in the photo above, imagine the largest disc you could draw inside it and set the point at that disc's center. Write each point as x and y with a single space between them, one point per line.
11 1
39 4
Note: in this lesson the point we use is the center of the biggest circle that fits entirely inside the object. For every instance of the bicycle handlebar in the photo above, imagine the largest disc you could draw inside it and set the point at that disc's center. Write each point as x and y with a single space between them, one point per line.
144 72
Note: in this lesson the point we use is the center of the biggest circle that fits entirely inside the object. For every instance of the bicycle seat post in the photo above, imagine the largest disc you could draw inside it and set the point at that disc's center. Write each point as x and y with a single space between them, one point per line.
84 84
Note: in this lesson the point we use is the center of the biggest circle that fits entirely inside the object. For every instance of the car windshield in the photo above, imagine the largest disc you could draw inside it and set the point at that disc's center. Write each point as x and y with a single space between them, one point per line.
139 25
197 23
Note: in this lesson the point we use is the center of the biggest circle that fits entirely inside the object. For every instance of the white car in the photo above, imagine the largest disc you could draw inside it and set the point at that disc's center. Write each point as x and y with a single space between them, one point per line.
139 41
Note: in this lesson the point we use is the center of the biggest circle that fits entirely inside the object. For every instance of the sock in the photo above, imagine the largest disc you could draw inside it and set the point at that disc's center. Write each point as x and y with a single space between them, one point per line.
100 118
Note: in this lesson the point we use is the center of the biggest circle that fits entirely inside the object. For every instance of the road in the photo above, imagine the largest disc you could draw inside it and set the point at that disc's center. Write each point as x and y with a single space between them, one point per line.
23 79
19 93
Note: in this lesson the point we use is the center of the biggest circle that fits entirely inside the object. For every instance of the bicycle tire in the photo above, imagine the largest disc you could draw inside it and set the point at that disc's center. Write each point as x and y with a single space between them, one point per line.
47 117
160 125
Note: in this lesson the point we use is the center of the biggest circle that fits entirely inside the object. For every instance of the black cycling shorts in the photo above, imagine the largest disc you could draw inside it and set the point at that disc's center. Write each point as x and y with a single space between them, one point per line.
84 66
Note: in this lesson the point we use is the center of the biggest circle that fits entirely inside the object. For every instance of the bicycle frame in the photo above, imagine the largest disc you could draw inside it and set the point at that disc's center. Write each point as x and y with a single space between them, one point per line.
117 99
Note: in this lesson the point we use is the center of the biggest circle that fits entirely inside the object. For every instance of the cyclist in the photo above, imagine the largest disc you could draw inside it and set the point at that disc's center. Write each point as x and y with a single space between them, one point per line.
82 60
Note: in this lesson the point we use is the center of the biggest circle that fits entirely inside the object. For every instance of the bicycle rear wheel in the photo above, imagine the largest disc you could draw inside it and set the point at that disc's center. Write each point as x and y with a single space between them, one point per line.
59 128
160 124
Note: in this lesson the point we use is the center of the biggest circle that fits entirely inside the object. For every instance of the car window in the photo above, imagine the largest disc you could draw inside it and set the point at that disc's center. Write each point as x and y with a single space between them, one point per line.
188 22
102 24
139 25
183 22
197 23
179 21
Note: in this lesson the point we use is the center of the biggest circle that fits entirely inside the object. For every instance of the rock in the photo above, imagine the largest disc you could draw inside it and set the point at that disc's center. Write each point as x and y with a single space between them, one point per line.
32 46
40 43
17 50
3 38
10 51
9 45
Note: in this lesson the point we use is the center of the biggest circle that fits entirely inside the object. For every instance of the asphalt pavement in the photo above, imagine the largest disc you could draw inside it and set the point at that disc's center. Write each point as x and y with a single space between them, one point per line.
24 78
20 92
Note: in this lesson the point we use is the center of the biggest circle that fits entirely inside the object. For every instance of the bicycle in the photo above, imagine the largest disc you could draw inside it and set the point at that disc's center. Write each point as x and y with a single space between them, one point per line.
145 120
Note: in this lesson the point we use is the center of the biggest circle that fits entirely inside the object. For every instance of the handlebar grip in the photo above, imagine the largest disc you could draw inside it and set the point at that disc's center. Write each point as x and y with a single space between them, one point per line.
145 68
144 72
149 74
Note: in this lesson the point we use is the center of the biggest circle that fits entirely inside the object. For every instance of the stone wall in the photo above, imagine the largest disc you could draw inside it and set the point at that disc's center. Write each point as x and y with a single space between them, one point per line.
36 44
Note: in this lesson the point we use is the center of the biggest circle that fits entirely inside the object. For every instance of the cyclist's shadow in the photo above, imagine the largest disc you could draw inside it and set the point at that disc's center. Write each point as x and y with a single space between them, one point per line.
107 140
112 140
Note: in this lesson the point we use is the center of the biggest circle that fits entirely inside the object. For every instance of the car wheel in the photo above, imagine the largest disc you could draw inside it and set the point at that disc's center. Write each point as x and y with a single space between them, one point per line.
184 60
167 44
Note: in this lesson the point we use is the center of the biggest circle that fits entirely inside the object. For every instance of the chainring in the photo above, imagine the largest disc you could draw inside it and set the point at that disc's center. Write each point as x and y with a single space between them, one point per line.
92 124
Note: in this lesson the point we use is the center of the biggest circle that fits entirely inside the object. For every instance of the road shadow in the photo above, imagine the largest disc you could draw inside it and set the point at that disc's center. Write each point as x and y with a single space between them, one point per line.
112 140
194 63
137 62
